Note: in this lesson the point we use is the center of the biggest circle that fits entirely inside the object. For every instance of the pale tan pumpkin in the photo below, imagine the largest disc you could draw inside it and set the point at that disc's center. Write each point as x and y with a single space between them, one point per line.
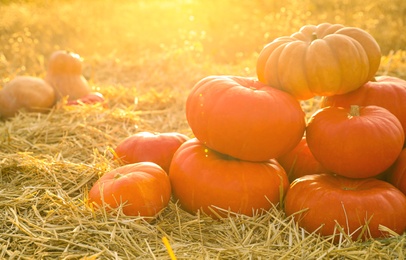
64 74
25 92
323 60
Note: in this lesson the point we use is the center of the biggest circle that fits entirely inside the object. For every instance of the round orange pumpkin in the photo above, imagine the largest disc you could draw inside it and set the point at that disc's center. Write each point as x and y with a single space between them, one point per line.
356 142
300 162
244 118
142 188
322 202
385 91
64 74
205 180
396 175
25 92
323 60
152 147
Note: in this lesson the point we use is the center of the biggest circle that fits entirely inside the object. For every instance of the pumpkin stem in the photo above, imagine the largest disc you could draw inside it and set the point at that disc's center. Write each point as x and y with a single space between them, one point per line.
314 36
118 176
354 111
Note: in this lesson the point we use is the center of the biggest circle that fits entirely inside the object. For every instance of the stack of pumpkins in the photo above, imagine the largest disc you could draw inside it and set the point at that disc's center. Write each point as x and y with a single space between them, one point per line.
241 125
63 79
249 132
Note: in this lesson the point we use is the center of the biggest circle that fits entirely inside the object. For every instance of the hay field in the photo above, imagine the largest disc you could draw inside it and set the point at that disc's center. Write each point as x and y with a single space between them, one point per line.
144 56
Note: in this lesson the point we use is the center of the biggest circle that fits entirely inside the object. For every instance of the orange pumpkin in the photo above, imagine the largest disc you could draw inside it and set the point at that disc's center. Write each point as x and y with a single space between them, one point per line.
26 92
323 60
355 142
142 188
244 118
300 162
321 202
205 180
396 175
385 91
64 74
150 147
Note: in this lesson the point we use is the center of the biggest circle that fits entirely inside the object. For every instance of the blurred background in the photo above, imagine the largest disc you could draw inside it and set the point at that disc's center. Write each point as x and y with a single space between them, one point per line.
127 40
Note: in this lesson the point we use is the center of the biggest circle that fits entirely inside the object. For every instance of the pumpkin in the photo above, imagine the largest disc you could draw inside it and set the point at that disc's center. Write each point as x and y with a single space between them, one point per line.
357 142
91 98
148 146
64 74
205 180
319 60
142 189
300 162
26 92
322 202
385 91
396 175
244 118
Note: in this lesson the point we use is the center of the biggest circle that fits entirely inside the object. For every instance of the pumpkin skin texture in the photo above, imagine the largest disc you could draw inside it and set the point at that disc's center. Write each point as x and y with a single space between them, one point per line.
384 91
356 142
26 92
202 178
323 60
396 174
351 202
144 187
244 118
300 162
152 147
64 74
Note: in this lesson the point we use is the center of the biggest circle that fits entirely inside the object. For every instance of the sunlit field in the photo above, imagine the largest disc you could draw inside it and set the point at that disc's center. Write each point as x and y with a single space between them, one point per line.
144 56
164 47
128 42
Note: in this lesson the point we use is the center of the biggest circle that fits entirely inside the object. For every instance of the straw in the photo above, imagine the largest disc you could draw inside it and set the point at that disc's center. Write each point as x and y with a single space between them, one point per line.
48 163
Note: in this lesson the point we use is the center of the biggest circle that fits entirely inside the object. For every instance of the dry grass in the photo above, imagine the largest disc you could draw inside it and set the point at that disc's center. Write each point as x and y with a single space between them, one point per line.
49 161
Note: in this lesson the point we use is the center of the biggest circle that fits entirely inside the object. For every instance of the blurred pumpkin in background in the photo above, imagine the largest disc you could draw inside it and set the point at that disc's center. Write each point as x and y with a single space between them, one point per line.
64 74
25 92
91 98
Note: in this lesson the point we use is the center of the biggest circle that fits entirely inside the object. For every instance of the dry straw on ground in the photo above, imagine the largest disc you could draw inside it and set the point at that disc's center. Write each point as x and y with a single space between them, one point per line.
49 162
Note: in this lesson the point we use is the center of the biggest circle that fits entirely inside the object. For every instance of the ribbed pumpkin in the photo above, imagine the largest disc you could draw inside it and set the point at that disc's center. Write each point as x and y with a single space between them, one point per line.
244 118
323 60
